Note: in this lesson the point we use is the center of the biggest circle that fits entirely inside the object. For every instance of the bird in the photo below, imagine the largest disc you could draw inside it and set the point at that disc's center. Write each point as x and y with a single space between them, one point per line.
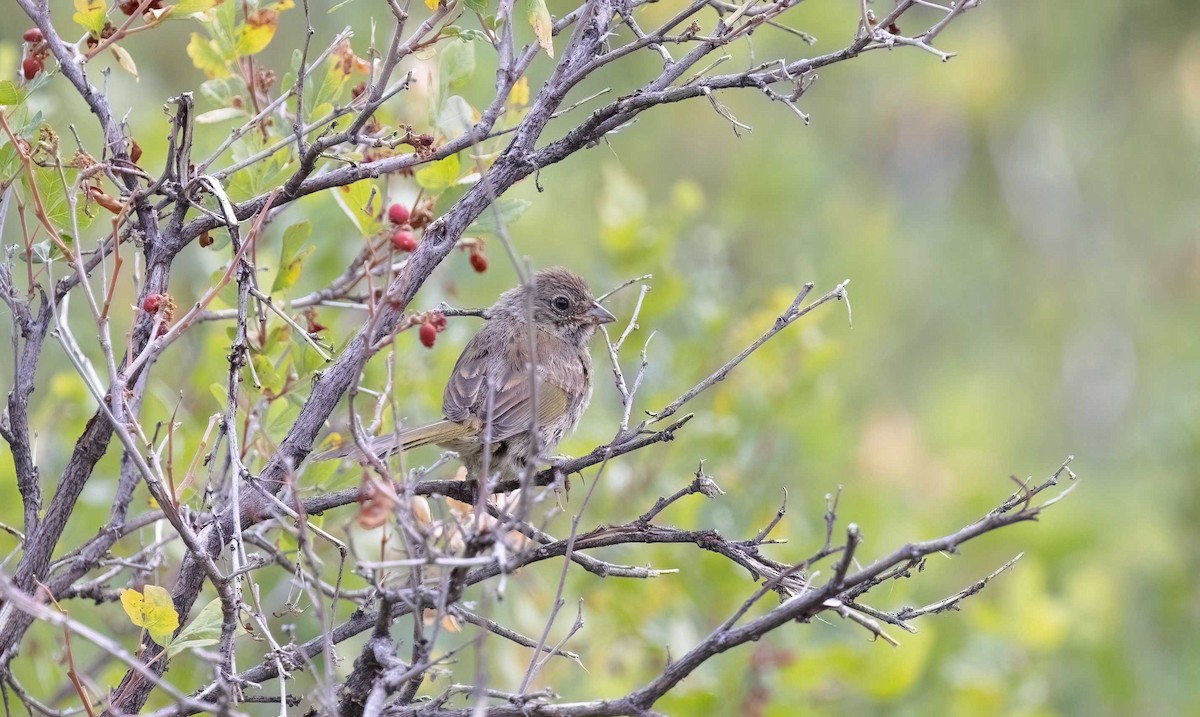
504 375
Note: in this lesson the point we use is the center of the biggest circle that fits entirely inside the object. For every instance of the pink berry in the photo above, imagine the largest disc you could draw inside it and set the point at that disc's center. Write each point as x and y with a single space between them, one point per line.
398 214
403 240
428 334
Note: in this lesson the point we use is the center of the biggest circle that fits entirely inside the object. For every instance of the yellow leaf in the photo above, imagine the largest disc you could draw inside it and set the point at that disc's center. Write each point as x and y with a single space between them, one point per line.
188 7
519 97
153 610
539 18
431 4
125 60
256 34
89 14
206 57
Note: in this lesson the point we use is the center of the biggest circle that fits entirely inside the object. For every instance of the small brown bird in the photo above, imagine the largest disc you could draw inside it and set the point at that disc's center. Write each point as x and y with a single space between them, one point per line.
493 383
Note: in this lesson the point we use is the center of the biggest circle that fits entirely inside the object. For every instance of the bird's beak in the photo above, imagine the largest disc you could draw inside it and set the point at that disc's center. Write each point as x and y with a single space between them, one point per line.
600 315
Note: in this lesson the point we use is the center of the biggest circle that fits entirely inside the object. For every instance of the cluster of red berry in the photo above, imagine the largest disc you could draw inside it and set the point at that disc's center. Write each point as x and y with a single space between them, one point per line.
402 238
35 59
433 325
155 303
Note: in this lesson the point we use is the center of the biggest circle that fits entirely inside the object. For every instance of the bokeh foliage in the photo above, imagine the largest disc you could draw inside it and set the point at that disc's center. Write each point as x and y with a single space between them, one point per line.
1020 234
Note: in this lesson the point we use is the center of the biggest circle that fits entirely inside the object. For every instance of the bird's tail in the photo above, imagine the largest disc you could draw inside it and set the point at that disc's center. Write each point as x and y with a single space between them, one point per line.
407 439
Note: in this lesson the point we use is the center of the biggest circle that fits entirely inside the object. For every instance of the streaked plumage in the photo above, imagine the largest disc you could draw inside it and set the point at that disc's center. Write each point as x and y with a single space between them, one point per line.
493 379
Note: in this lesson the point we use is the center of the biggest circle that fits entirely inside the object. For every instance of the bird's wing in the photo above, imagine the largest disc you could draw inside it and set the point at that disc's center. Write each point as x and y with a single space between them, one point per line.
507 378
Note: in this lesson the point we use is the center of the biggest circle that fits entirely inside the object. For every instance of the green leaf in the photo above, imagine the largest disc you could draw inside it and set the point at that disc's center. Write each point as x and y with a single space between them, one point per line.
359 201
219 392
8 159
294 238
463 32
184 8
293 254
203 631
543 26
440 175
268 378
506 211
262 175
89 14
221 92
457 63
329 91
10 94
54 198
477 5
39 253
280 417
456 117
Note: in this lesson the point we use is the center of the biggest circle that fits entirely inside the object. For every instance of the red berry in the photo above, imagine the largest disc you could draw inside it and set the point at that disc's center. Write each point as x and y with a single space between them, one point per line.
398 214
478 261
428 334
31 66
33 34
439 322
152 303
403 240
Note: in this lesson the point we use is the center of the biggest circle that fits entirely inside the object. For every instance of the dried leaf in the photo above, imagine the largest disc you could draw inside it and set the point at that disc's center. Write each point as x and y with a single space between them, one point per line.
219 115
374 504
420 509
543 26
125 60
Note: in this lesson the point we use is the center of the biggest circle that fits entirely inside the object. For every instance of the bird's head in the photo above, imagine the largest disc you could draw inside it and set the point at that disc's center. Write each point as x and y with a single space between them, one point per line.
562 305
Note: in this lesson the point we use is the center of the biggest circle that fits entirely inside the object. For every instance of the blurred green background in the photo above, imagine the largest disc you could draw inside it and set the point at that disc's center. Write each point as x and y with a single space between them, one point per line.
1020 229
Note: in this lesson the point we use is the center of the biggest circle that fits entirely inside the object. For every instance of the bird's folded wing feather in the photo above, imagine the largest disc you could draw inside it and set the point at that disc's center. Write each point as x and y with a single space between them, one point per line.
510 405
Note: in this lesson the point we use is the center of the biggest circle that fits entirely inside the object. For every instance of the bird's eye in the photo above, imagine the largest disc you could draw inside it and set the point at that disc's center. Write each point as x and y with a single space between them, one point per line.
561 303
